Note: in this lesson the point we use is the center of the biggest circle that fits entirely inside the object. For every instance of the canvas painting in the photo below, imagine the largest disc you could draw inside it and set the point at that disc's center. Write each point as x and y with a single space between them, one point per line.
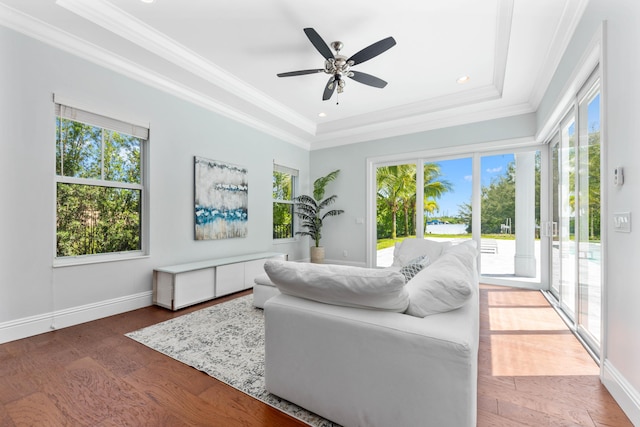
221 200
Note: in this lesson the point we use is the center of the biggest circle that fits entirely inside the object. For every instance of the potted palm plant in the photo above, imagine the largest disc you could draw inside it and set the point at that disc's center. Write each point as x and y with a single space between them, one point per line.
310 210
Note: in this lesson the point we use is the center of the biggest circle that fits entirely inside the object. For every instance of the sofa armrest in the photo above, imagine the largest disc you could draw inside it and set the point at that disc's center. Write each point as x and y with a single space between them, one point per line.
373 368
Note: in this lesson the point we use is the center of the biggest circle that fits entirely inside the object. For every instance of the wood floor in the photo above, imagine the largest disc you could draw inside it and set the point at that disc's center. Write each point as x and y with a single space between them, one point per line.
532 372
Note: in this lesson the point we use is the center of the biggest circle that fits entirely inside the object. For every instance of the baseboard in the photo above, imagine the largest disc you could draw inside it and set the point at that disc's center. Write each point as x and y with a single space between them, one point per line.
627 397
35 325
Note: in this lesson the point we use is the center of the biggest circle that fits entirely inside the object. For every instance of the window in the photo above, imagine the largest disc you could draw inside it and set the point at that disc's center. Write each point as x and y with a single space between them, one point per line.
284 193
99 184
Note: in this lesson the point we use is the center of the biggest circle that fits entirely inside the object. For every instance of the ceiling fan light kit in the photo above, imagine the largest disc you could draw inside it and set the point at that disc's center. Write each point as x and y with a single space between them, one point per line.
339 66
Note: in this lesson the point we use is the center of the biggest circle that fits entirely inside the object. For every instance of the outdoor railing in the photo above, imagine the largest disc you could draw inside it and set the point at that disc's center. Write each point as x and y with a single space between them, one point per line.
282 231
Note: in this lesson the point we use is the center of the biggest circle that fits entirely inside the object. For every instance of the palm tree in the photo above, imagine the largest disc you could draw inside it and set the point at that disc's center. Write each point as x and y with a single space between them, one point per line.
394 184
397 189
433 188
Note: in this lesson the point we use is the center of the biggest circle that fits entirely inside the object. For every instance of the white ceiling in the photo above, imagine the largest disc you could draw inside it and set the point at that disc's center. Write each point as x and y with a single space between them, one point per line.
225 54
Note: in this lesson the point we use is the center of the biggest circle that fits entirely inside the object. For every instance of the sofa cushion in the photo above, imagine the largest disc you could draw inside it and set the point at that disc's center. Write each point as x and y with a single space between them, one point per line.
444 285
411 248
340 285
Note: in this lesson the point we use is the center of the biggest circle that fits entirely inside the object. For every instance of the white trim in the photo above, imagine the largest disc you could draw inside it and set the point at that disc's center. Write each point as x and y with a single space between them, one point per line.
571 16
581 73
69 43
622 391
503 37
415 124
98 108
134 30
485 148
34 325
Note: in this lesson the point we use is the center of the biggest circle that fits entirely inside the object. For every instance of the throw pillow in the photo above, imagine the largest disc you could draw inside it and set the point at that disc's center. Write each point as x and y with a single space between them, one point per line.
411 248
445 285
371 288
414 267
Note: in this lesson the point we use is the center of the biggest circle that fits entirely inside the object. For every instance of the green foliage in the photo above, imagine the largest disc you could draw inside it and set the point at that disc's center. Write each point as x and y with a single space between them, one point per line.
282 212
498 201
396 197
92 218
309 209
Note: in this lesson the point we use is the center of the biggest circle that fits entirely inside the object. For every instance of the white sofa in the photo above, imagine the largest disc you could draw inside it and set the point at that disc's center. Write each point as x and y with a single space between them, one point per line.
376 366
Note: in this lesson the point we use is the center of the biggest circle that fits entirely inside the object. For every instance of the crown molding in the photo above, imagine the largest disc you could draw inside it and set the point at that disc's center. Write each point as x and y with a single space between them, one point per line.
121 23
69 43
503 37
408 118
417 124
441 103
571 15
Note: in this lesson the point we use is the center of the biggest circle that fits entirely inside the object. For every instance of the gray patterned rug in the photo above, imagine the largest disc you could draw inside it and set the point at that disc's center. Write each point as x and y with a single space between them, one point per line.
226 341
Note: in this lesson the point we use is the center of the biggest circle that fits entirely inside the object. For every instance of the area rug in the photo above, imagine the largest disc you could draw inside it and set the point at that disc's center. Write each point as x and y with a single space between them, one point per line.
226 341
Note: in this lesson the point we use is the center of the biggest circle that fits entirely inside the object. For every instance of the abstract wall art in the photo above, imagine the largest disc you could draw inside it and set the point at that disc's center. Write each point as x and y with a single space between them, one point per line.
221 199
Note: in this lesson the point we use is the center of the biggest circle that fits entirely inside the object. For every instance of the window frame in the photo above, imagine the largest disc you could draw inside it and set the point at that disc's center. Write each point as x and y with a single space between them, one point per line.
294 173
88 115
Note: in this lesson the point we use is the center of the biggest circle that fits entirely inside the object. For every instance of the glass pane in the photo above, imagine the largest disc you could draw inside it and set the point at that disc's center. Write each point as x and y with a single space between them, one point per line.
447 199
589 253
510 215
283 220
282 186
395 208
78 149
567 217
555 214
94 220
498 214
121 157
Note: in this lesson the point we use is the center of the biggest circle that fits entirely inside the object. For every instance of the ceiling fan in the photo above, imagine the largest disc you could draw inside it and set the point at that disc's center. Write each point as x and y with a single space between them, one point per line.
339 66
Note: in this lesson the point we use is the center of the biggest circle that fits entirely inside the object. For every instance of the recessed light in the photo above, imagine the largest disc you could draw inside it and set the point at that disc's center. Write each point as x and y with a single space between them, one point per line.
322 114
462 80
147 1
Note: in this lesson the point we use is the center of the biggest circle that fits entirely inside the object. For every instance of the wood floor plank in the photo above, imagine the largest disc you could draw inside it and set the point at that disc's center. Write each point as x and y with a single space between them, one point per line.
37 409
186 406
531 371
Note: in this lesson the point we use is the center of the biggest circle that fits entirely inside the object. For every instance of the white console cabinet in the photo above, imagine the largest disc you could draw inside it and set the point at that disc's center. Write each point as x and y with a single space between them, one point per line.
182 285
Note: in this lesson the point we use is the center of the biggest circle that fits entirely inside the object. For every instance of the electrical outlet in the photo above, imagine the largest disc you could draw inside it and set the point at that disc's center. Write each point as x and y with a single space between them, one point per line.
345 253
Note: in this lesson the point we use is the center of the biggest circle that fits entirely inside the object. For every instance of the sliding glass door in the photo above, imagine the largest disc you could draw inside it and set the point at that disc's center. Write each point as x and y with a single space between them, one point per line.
510 216
576 253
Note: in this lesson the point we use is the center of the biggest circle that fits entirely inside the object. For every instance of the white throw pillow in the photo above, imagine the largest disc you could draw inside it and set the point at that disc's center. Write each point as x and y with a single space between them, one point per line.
340 285
445 285
412 248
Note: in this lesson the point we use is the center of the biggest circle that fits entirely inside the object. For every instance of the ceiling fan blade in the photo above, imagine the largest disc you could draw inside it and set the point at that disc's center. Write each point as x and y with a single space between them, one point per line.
368 79
318 43
373 50
300 73
329 88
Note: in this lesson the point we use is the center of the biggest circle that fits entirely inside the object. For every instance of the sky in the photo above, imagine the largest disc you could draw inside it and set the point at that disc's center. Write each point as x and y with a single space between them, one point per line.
458 172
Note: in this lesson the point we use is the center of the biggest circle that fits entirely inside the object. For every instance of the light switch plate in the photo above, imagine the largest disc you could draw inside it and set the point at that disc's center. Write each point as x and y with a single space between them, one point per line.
622 222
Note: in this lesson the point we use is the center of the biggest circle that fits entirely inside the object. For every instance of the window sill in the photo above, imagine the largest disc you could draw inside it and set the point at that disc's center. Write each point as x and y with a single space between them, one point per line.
285 241
96 259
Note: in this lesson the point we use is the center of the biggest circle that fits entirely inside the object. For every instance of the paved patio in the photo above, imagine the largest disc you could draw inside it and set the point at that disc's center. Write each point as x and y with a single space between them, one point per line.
495 261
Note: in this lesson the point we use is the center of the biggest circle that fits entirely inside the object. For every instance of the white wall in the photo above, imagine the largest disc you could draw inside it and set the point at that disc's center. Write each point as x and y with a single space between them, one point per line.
343 233
621 108
30 288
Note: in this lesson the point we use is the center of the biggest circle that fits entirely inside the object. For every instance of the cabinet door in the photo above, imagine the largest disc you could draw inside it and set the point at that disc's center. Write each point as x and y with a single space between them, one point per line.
253 269
229 279
192 287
